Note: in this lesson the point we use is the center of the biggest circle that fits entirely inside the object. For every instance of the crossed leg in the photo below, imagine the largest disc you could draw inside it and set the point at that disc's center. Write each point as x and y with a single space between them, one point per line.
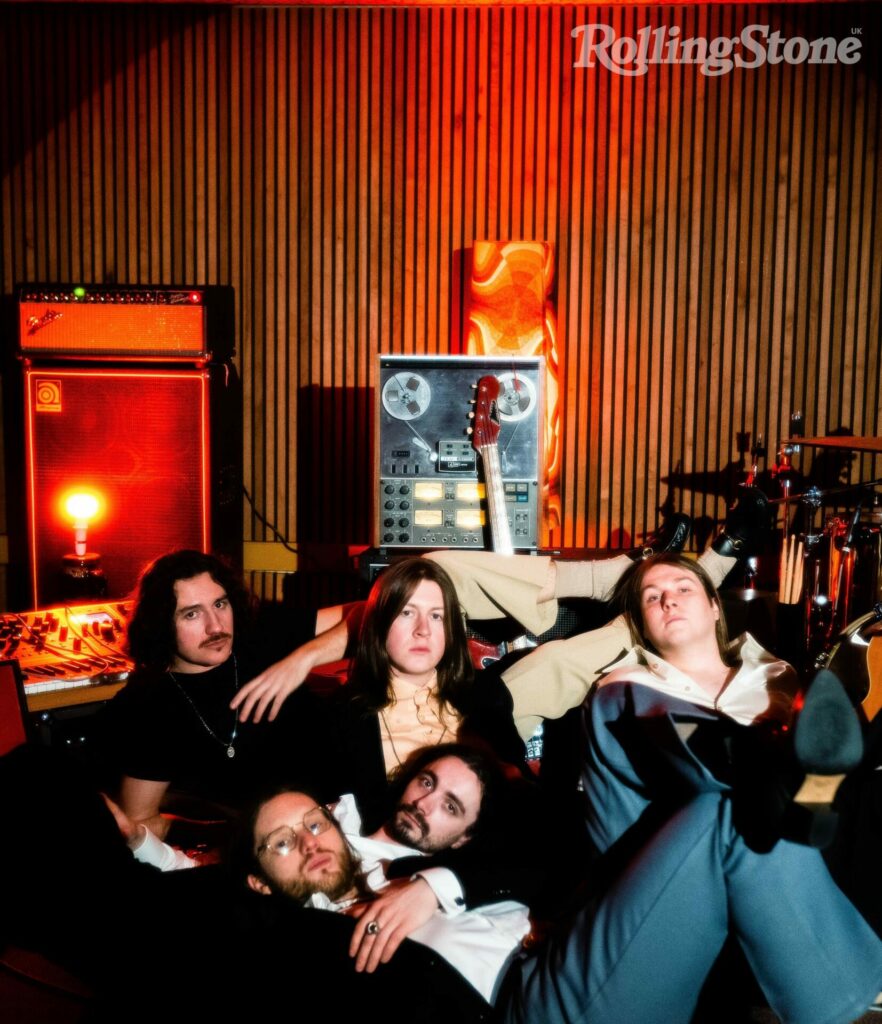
643 950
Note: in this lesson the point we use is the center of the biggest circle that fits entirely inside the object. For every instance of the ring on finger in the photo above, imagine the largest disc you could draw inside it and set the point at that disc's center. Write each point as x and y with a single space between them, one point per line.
373 928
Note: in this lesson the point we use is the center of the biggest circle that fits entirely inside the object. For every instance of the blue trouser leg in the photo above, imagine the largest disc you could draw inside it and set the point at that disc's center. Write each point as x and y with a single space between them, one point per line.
814 956
644 950
635 754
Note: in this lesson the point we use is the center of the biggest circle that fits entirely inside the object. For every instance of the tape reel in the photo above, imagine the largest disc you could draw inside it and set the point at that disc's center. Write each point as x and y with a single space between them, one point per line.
406 396
517 396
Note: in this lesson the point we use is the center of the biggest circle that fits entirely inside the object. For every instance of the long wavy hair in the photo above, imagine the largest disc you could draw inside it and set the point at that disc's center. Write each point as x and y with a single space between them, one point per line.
152 637
628 598
371 677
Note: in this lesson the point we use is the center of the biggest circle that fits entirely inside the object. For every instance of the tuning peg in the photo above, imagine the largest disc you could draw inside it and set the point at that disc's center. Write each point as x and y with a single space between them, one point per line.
474 387
471 415
469 431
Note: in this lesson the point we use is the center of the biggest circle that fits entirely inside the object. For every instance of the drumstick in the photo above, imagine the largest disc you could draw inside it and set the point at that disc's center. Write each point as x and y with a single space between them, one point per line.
788 570
797 578
782 572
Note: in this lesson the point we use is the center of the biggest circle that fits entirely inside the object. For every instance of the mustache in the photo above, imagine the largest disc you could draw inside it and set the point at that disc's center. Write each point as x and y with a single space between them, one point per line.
417 815
215 638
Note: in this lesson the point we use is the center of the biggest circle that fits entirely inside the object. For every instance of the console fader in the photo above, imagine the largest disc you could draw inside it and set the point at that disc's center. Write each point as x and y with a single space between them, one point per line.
68 647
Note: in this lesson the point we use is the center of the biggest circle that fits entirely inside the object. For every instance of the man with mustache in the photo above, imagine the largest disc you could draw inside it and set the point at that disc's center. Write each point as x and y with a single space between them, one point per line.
172 724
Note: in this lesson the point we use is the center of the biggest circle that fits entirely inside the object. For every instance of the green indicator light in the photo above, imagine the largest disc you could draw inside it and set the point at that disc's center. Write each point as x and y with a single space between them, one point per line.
80 293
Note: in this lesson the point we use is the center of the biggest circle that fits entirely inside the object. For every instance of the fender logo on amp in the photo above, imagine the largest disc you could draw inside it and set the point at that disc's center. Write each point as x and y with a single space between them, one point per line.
37 323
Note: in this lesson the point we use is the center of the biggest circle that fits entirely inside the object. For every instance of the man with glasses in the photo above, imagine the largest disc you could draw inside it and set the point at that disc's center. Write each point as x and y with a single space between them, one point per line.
301 852
295 848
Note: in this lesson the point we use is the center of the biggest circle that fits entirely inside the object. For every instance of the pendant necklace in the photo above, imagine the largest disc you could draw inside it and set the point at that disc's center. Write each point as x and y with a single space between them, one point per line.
230 748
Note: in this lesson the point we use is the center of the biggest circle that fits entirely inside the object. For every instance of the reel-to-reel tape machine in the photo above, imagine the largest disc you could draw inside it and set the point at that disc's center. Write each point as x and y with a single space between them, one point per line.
430 483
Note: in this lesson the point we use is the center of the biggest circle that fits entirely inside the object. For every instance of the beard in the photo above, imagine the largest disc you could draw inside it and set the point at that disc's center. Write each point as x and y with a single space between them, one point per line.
334 884
413 833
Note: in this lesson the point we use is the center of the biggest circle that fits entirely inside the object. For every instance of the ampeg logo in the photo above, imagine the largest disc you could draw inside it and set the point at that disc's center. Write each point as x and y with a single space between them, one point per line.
755 46
47 397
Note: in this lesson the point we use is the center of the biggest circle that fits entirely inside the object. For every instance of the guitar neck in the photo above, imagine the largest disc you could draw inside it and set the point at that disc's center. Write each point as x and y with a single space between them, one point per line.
500 532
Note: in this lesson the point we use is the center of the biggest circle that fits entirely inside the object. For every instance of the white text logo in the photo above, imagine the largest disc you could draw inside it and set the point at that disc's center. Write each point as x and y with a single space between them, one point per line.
755 46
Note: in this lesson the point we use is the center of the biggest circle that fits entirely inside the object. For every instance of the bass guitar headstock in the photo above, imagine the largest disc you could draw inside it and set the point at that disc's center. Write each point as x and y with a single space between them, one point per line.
485 418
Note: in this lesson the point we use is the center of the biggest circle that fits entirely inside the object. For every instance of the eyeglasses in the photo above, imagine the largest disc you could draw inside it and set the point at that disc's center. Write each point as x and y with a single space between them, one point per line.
282 841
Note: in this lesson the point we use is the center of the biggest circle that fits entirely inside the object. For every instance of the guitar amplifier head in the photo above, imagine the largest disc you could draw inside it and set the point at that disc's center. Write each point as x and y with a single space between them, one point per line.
430 489
129 323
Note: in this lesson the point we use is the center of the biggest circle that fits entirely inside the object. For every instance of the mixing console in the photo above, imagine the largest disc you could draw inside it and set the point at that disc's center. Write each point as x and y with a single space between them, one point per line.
65 648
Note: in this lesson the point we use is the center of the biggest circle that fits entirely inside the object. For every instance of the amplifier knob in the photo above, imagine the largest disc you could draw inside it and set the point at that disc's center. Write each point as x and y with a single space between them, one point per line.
403 538
404 505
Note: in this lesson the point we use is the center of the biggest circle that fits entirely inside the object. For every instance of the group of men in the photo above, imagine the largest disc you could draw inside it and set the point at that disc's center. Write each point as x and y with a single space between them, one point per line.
430 912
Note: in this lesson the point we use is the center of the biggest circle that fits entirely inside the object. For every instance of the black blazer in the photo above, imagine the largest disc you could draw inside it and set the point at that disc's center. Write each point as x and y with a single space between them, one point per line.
345 754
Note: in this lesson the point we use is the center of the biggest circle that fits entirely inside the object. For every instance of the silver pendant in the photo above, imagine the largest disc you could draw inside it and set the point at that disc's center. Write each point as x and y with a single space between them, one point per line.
231 751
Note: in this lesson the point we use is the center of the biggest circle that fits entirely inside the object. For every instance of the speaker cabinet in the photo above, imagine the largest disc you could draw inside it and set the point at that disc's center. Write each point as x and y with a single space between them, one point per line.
158 450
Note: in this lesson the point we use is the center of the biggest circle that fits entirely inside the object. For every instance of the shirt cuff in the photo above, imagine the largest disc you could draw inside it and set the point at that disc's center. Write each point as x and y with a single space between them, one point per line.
446 887
150 849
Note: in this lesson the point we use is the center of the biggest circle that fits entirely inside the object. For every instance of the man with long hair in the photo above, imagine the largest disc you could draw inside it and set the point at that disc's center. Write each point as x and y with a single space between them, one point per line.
558 675
194 640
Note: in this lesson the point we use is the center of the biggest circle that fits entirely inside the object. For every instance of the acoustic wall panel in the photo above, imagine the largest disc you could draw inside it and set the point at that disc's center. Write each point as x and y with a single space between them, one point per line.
717 238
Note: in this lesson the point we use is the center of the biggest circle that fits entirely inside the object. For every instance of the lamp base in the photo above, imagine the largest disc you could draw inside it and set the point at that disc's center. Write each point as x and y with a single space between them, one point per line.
82 576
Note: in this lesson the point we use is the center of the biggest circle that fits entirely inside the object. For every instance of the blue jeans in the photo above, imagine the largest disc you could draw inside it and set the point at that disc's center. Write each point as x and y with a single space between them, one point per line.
643 951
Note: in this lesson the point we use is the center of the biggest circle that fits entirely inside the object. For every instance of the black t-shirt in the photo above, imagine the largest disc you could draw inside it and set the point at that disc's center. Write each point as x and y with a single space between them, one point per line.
177 728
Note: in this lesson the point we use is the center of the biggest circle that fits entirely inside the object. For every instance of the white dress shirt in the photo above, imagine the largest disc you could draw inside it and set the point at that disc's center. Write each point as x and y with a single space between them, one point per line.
762 688
478 943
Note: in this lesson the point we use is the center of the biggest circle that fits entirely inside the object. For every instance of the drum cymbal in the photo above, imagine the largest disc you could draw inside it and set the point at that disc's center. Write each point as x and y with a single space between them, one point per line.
852 444
817 494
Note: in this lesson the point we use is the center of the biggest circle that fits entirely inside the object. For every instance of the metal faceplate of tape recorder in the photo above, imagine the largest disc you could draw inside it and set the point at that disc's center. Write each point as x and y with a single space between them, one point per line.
430 481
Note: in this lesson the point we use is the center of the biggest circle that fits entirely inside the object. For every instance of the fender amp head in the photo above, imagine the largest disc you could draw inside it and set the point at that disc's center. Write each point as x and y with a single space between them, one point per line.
126 323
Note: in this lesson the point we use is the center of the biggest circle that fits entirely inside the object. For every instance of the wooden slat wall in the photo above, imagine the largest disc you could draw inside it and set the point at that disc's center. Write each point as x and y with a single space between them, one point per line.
717 239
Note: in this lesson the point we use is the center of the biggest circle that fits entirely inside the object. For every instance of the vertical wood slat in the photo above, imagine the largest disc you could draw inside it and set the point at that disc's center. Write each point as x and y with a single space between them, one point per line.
716 239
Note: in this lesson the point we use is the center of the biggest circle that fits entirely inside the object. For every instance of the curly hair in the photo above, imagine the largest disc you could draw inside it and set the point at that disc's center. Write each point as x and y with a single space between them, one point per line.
152 638
370 680
627 597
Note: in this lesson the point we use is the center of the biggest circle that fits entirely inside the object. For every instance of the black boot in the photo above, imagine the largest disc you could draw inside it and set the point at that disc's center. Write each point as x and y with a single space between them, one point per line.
671 535
784 782
827 736
748 525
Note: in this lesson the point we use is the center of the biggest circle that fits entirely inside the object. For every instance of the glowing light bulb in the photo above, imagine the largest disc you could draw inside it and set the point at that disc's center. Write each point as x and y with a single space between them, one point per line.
82 508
